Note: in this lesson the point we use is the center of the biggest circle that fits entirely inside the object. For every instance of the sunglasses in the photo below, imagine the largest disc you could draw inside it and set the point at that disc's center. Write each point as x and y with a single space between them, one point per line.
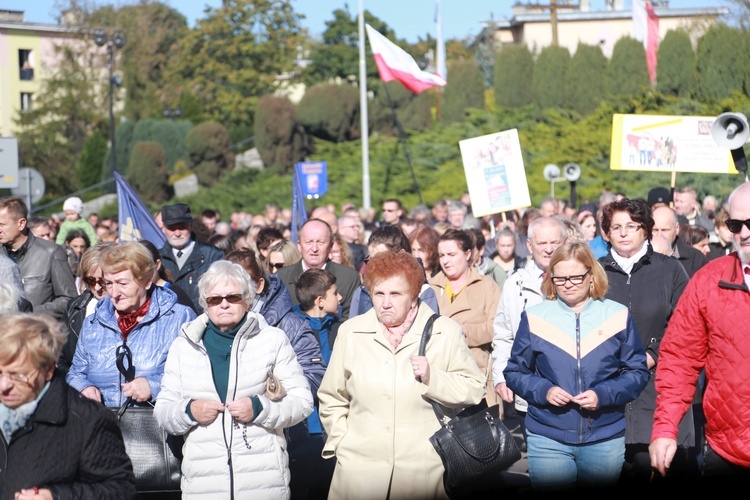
216 300
277 266
91 282
574 280
735 226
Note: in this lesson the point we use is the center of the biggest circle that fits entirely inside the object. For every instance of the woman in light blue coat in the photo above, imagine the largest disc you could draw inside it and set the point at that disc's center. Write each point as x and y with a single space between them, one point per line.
139 321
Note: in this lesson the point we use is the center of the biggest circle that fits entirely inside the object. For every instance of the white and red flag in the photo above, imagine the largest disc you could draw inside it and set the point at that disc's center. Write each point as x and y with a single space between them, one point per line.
394 63
646 30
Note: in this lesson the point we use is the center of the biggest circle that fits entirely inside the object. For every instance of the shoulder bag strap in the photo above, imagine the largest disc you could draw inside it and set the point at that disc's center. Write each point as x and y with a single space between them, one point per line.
426 334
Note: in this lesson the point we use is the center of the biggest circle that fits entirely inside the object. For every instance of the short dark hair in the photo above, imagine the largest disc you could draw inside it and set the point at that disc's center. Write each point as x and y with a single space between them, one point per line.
638 210
37 221
392 237
267 235
312 284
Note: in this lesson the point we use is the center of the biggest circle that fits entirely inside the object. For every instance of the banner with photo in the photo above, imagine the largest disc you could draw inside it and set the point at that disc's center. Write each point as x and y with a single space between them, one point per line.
495 173
658 143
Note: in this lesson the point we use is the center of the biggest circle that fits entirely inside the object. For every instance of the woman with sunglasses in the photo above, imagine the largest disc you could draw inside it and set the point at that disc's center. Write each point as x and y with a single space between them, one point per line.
214 392
83 305
649 284
283 253
578 360
144 317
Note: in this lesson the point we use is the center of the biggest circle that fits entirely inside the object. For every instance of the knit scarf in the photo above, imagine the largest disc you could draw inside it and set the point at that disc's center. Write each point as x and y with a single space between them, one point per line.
13 419
127 321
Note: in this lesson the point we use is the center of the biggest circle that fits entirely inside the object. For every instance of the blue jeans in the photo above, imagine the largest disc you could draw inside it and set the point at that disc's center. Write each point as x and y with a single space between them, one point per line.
554 465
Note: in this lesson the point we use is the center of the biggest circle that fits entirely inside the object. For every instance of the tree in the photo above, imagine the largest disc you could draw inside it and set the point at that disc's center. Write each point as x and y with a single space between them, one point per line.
69 107
89 165
586 77
716 73
514 73
148 172
233 56
627 71
280 141
330 111
465 90
210 152
550 74
676 64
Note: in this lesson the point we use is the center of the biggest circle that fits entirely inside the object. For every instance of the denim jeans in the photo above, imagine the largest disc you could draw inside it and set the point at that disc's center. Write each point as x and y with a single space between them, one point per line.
555 466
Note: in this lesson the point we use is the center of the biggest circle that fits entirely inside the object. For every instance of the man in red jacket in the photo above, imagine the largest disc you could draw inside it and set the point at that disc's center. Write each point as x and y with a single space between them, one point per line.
709 329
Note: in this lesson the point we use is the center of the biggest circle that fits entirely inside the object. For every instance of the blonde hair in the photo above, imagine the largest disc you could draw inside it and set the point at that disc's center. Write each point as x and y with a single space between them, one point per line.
579 252
129 256
37 337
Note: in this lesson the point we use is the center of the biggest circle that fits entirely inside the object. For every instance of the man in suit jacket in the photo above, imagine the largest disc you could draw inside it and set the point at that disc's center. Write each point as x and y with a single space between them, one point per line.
315 240
183 256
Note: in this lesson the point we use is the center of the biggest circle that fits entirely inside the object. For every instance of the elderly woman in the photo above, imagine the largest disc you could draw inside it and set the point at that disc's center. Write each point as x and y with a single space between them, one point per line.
83 305
375 396
138 317
577 360
649 284
214 393
54 441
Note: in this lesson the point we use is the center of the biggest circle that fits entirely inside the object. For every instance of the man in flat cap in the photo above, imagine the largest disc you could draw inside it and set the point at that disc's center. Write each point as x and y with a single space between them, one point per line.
183 256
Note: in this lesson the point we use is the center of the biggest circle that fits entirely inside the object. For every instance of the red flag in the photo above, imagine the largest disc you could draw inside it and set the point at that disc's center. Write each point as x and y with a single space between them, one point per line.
395 64
646 30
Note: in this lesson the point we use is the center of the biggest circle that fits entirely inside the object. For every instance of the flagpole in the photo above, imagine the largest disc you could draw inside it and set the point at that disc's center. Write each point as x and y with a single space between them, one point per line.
363 110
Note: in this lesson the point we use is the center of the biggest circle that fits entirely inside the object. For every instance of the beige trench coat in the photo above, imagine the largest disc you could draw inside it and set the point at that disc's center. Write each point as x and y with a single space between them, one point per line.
475 309
377 415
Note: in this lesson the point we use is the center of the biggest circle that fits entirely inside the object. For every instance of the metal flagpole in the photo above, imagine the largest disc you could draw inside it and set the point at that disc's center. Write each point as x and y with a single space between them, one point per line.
363 110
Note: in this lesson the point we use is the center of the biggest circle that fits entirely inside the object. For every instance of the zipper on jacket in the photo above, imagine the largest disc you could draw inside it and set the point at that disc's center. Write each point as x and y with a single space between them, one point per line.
578 363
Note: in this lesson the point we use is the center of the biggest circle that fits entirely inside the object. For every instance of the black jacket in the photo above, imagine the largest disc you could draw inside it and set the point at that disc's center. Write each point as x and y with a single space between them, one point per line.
200 259
73 320
651 292
72 446
690 258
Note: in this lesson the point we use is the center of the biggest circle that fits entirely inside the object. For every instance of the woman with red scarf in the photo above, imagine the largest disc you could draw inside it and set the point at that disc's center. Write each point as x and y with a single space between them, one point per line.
140 318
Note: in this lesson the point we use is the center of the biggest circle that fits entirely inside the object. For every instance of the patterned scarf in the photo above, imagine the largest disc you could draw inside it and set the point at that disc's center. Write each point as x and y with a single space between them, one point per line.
13 419
127 321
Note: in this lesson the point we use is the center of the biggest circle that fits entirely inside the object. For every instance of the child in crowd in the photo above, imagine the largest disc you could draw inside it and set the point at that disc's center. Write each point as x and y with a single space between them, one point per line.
319 302
73 207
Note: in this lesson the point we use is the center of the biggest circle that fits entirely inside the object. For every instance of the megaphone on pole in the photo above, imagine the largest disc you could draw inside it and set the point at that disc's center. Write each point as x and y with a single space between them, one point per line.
552 174
731 130
572 173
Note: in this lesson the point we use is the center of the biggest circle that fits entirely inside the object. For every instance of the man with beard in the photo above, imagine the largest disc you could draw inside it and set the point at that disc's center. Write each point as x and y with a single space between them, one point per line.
707 331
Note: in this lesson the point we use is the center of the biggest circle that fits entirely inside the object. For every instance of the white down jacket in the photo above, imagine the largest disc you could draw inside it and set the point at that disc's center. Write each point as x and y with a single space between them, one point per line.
225 459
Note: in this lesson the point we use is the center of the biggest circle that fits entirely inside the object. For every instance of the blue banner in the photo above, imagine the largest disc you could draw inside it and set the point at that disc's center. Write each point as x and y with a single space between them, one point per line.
136 222
314 178
299 212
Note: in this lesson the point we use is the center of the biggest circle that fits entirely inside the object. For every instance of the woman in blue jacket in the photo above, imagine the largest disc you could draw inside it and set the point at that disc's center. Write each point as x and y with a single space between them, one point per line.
577 359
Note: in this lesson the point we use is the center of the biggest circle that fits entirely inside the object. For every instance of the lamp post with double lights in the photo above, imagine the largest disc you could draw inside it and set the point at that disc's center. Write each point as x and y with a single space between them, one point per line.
172 113
117 41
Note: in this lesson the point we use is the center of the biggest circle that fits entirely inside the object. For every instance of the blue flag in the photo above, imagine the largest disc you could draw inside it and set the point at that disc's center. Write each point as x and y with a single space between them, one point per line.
299 212
136 222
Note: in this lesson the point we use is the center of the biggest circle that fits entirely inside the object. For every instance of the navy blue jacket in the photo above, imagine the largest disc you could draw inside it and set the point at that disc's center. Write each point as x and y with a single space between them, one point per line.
598 348
200 259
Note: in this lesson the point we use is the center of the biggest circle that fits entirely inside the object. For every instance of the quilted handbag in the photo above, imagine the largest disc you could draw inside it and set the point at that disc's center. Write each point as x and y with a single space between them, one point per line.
474 443
155 454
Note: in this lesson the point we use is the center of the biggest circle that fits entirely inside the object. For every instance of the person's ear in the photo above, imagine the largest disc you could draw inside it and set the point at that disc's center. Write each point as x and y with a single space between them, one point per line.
261 285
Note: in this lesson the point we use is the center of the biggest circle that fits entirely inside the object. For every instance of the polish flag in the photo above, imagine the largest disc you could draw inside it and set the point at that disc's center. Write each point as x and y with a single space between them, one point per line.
395 64
646 30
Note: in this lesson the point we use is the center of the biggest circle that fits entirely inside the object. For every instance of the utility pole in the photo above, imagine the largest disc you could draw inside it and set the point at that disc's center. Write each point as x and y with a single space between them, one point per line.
553 7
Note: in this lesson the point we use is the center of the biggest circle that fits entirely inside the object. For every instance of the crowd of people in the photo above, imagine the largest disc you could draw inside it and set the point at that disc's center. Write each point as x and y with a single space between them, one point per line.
610 333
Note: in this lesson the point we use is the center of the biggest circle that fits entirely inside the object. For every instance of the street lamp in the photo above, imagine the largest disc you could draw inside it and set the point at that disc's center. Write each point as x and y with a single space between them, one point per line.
172 113
118 41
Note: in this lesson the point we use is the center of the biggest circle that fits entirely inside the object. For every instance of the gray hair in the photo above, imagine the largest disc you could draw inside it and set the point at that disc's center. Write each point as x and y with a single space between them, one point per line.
222 271
547 221
456 206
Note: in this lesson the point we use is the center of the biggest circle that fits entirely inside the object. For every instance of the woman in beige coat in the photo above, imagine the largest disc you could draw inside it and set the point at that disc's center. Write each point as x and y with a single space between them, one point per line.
374 398
468 297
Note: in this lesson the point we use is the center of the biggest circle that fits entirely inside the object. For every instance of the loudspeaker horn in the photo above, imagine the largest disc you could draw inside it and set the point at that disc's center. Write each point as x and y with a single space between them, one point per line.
552 172
730 130
572 172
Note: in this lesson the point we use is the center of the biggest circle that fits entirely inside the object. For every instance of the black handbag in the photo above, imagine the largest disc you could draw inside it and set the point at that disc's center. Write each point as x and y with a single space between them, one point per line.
474 443
155 454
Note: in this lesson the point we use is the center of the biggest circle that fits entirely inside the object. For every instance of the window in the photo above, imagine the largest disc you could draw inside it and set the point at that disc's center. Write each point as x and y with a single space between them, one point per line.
24 64
26 101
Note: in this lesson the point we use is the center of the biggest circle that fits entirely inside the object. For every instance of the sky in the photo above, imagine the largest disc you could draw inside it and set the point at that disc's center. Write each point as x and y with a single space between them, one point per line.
409 18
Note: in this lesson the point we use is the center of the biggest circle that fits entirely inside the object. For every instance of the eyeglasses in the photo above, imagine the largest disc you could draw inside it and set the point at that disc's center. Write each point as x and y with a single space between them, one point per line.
277 266
735 225
629 228
19 378
366 260
216 300
574 280
92 281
